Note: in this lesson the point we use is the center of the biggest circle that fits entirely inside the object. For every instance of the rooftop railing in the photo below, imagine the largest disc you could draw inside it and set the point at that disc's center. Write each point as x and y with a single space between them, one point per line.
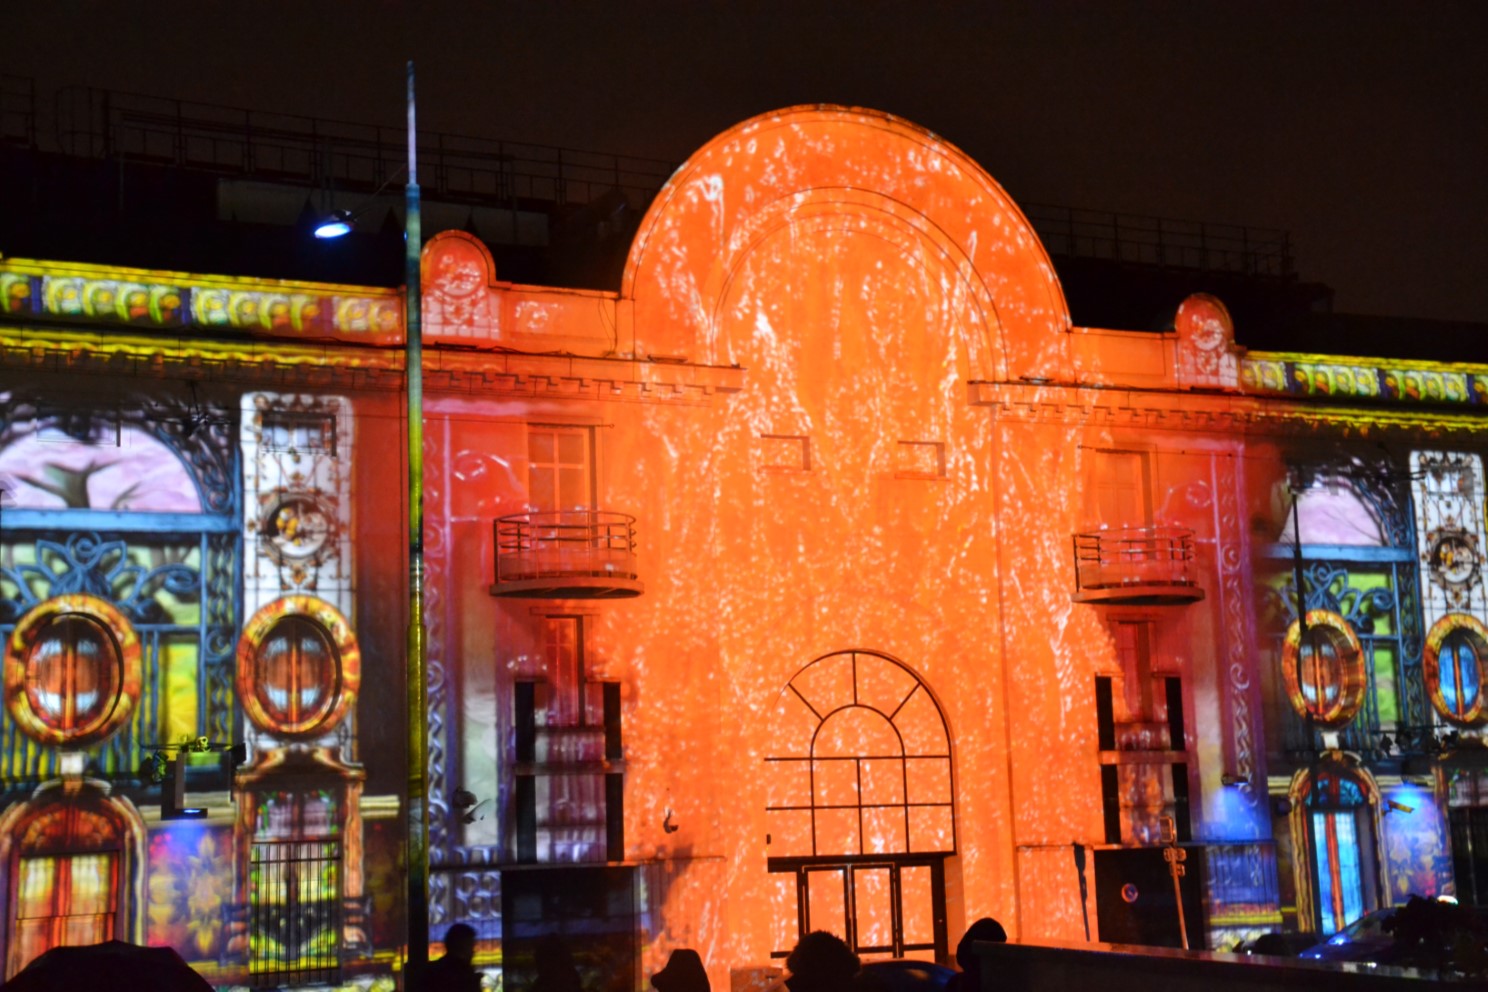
1162 241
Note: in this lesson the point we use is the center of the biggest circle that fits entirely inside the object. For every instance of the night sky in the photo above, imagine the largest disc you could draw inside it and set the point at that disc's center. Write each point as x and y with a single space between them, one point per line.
1361 126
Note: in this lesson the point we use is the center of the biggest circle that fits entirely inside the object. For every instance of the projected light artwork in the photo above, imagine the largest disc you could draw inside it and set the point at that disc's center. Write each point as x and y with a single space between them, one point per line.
822 576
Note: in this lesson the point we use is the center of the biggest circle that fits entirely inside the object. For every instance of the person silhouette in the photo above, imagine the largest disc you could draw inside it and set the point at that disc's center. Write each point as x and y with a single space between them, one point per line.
684 972
821 962
455 971
969 978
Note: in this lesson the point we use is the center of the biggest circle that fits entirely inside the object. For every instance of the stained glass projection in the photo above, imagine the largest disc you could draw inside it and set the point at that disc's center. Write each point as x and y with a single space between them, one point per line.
1323 668
72 671
1456 648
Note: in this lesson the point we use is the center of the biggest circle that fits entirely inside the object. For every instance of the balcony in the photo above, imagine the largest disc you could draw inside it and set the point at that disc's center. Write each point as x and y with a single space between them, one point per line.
1136 566
566 554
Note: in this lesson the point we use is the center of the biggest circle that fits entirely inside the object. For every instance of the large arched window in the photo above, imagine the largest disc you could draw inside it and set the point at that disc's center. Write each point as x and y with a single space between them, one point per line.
859 808
111 499
1456 651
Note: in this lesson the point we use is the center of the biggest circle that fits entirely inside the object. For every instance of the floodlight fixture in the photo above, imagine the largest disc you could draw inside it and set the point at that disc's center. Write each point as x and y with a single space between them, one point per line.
337 225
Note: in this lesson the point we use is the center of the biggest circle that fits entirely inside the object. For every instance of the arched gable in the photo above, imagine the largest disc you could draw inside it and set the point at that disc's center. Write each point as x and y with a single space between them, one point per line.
868 170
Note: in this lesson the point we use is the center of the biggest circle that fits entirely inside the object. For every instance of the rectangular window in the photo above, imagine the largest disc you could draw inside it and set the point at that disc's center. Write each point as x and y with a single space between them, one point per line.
1122 489
920 460
563 649
560 468
64 901
1340 878
784 453
300 431
1134 652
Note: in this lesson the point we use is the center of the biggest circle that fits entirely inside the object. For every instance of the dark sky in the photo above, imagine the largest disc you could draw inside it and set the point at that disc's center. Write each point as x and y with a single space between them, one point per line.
1361 126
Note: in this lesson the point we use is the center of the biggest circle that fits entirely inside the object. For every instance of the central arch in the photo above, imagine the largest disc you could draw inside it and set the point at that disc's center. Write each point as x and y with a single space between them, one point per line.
863 166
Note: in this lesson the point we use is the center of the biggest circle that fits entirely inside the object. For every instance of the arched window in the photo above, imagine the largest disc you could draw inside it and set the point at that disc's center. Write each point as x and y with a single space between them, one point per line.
67 866
1333 821
298 667
1331 511
72 671
859 807
1323 668
1456 650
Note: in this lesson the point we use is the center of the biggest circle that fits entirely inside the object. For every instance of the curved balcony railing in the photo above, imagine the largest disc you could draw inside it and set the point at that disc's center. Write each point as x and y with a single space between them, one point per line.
566 554
1136 565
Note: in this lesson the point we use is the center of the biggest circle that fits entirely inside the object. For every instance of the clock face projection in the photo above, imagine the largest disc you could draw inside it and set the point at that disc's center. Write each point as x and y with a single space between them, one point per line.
1453 558
295 527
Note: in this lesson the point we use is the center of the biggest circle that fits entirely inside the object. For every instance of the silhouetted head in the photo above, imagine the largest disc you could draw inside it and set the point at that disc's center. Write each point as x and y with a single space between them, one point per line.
459 942
684 972
821 962
986 930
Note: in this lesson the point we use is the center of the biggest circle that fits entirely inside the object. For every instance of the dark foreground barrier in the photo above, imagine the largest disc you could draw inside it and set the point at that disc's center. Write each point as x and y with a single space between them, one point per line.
1016 967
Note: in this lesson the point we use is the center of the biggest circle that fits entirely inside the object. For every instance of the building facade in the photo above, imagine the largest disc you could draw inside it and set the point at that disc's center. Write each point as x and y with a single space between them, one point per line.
824 576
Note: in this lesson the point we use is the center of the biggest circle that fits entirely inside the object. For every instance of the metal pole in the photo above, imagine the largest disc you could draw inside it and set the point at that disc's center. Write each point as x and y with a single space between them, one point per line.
1301 612
418 826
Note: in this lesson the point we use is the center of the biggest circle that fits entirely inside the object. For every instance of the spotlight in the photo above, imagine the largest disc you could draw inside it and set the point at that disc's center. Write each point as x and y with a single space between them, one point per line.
1394 807
337 225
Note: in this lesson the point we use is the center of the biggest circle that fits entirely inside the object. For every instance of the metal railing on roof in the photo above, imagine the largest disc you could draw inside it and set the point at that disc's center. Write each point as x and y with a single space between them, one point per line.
312 151
17 110
1162 241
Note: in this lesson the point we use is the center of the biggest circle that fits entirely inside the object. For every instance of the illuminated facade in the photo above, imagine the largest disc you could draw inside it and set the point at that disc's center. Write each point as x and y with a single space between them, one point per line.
822 576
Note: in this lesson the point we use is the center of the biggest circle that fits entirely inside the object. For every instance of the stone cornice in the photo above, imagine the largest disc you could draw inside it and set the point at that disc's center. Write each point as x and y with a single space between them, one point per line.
1220 413
340 366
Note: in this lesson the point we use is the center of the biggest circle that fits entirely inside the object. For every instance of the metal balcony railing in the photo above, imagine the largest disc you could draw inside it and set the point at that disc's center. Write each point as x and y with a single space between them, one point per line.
1151 565
566 554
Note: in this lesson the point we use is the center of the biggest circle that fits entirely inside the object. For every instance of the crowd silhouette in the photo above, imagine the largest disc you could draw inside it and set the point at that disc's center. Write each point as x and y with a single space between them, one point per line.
820 962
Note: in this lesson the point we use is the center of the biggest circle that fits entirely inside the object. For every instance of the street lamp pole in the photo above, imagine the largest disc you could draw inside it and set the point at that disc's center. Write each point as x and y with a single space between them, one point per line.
418 826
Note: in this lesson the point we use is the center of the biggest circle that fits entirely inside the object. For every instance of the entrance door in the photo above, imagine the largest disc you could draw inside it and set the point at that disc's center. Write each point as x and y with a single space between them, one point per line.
882 907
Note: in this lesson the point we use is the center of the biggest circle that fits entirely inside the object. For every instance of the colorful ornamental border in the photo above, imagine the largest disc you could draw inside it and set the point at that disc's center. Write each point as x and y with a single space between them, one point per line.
348 675
170 301
1351 669
1321 378
127 654
1476 632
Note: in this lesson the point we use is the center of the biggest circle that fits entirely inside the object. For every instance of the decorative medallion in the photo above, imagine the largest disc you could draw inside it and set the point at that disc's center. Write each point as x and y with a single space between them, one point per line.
295 527
1453 559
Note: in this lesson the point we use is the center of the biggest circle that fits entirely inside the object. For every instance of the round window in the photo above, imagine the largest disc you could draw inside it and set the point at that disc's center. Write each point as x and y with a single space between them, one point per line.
1324 669
1456 651
298 667
72 671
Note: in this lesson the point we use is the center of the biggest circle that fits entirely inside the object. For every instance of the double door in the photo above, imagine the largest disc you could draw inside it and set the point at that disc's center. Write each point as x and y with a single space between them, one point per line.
884 907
